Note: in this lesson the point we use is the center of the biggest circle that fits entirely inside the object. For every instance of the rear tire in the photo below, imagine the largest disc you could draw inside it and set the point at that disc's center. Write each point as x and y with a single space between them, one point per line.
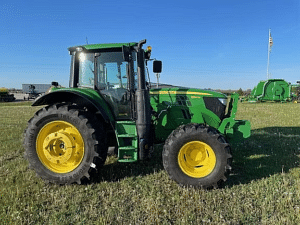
64 144
197 155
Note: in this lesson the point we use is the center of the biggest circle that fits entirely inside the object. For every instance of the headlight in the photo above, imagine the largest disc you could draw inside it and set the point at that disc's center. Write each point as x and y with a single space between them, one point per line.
223 101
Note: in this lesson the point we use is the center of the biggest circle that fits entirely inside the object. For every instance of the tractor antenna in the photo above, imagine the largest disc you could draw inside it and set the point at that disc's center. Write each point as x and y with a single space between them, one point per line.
86 40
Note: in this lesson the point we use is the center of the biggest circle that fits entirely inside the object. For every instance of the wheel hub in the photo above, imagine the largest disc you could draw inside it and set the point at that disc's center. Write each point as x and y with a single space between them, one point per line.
60 146
196 155
196 159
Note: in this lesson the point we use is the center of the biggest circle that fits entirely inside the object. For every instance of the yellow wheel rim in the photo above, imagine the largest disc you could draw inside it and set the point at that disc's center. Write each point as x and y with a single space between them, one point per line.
196 159
60 146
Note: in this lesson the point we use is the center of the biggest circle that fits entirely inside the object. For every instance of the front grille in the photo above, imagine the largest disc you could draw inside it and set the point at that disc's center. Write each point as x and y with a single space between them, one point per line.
183 100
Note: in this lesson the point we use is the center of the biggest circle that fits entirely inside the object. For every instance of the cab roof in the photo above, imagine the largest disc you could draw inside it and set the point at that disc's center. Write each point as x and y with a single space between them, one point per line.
102 46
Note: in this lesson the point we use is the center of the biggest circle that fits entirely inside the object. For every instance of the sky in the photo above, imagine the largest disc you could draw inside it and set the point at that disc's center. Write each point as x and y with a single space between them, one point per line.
213 44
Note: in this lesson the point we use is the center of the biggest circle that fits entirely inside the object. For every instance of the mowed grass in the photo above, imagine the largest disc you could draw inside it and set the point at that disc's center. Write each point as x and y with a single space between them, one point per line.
264 187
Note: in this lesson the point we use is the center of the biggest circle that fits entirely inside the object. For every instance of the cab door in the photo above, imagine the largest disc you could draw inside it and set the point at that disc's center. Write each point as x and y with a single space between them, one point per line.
112 80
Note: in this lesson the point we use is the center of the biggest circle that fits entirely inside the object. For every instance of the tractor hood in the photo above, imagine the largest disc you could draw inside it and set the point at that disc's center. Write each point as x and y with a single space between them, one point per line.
173 107
192 92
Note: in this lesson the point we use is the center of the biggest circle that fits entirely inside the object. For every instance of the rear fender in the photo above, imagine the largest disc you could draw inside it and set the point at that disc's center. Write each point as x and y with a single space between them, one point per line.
98 106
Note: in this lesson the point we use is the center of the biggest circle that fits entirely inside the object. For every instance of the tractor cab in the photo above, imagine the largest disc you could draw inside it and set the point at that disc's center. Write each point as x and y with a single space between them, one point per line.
106 71
111 70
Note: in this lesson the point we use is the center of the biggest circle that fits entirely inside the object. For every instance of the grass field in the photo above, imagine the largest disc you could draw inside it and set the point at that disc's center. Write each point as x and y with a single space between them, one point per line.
264 187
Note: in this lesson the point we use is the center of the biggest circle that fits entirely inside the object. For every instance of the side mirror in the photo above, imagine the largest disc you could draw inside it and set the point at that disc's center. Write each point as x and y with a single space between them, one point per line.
126 53
157 66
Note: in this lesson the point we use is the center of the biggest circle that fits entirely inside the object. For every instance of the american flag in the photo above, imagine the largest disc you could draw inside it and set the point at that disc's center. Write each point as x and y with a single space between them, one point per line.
270 41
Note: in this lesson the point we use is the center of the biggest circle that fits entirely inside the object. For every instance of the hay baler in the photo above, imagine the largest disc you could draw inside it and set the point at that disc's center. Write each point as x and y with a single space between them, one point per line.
277 90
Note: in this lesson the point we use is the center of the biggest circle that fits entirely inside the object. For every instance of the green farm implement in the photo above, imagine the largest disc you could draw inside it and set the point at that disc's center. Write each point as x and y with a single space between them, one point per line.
110 103
276 90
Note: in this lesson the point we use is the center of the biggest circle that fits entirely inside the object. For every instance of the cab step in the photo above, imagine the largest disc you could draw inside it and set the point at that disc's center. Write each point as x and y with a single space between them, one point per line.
127 141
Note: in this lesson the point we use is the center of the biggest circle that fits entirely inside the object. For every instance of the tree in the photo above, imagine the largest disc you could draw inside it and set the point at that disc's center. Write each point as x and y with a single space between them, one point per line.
240 92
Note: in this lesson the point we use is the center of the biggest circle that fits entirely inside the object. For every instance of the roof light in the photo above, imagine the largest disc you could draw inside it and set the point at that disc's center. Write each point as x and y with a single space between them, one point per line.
149 48
82 57
79 49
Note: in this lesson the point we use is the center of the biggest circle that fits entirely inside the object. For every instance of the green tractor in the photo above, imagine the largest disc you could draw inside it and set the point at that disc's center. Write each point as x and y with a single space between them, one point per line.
109 103
295 92
5 96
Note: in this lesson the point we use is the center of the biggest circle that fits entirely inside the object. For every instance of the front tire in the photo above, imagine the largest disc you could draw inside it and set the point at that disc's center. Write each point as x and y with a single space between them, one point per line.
64 144
197 155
